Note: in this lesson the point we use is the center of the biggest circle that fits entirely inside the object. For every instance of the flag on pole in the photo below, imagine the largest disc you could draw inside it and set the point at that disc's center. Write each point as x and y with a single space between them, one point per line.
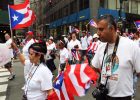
93 23
137 23
21 15
74 29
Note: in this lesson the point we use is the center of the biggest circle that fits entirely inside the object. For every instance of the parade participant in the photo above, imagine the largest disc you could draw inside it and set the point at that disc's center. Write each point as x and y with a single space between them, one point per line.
89 38
92 48
9 65
117 57
28 41
74 44
39 78
84 44
50 56
64 54
136 38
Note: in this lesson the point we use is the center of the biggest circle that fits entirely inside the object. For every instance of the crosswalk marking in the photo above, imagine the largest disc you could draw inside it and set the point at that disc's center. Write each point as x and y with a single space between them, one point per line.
3 78
2 97
4 73
3 88
3 69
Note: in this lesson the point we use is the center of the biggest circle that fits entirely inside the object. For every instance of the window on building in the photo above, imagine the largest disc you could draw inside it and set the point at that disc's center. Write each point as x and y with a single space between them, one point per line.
65 11
83 4
134 7
73 7
126 6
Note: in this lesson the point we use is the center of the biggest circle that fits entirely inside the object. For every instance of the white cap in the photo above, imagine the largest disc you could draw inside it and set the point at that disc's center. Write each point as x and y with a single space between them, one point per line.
95 36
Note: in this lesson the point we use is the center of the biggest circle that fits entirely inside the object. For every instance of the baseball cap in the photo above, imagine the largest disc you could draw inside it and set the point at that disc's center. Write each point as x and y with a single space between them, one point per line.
95 36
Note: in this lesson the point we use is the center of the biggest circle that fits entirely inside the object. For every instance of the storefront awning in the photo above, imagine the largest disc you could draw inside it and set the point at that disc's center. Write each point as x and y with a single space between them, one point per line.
84 15
72 18
65 20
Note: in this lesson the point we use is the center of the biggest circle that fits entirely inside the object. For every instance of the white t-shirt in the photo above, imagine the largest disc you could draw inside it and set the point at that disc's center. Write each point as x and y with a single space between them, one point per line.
8 43
63 55
71 45
50 47
89 39
137 42
84 43
40 82
26 47
120 83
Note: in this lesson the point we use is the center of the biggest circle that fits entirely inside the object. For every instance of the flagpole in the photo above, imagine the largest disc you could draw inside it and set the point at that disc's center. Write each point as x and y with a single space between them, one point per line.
10 22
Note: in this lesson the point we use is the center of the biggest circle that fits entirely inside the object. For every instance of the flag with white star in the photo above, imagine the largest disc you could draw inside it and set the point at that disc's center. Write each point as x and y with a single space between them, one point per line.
21 15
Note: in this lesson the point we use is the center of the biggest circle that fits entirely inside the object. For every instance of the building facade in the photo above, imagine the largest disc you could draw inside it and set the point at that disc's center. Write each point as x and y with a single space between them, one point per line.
60 14
63 13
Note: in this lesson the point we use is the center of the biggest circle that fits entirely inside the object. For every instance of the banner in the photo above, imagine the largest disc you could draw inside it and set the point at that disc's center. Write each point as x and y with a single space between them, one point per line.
4 54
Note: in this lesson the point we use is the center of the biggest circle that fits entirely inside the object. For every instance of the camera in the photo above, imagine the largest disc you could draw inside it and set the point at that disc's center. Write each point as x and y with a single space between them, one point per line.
24 97
100 91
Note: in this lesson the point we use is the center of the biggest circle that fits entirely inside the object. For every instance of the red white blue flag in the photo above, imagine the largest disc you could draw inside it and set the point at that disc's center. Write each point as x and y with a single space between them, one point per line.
61 92
75 81
92 23
137 23
21 15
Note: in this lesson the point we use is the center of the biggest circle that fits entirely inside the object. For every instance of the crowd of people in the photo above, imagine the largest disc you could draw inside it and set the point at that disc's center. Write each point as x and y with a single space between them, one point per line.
110 55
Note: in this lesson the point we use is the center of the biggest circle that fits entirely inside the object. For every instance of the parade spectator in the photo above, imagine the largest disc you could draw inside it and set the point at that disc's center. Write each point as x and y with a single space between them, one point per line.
9 65
39 78
117 57
50 56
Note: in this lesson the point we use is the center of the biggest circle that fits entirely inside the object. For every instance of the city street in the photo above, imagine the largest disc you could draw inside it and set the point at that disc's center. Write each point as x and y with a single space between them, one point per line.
14 91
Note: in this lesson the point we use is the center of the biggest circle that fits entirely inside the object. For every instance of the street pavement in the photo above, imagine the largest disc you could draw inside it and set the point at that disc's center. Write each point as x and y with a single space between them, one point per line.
11 90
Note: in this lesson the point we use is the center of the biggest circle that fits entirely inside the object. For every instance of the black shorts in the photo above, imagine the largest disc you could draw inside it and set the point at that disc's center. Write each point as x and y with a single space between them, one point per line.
9 64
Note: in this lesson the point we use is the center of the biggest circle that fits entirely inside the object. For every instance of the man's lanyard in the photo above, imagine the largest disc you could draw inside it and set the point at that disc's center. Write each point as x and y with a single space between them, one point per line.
113 54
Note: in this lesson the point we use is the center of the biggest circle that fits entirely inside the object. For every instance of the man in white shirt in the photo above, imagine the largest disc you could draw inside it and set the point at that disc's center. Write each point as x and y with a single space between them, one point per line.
84 44
29 40
117 57
89 38
9 64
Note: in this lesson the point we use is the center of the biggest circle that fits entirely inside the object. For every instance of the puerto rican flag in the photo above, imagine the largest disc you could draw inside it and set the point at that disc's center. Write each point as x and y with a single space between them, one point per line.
137 23
75 54
78 78
61 92
93 23
74 81
21 15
